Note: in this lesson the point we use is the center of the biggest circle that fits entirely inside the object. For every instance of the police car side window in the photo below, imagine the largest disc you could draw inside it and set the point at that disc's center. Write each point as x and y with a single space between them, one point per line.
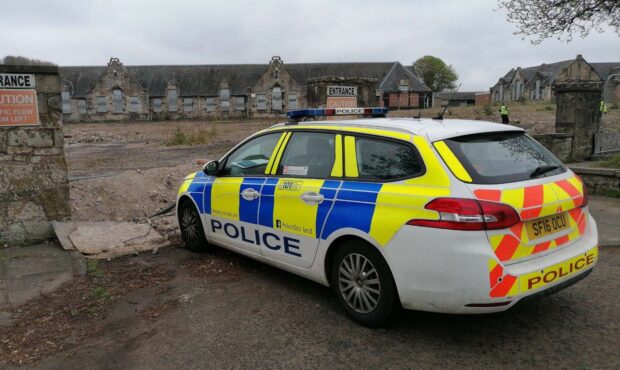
308 154
252 157
384 160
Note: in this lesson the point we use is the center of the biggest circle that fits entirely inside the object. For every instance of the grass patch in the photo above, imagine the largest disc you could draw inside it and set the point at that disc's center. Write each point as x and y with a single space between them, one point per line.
100 293
613 162
192 138
92 268
545 107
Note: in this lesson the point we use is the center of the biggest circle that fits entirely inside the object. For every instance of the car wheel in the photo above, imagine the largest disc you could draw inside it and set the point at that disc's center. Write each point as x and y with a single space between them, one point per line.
191 228
363 283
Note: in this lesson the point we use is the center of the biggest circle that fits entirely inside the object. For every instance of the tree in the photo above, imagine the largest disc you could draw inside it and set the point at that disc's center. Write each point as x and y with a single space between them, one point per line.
14 60
436 74
543 19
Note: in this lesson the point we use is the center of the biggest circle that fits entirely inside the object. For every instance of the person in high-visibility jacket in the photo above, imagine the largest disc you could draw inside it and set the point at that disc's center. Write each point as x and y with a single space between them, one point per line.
503 111
603 107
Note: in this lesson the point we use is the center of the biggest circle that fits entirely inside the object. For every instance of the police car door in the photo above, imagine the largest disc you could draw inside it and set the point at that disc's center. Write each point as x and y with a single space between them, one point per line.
295 204
235 194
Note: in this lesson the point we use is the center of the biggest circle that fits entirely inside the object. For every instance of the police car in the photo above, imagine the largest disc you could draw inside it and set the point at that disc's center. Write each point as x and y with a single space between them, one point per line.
453 216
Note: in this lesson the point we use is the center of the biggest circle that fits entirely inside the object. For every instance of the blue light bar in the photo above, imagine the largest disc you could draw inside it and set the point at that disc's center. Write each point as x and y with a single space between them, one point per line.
328 112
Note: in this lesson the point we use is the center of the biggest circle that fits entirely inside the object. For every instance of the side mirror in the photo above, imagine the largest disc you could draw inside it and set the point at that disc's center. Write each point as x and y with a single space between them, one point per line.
211 168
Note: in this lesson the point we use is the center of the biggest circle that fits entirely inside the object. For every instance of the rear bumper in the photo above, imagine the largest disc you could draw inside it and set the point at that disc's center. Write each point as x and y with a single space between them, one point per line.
456 272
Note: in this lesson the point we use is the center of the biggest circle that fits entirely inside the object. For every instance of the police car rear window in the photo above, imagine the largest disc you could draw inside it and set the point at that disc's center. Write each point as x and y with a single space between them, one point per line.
503 157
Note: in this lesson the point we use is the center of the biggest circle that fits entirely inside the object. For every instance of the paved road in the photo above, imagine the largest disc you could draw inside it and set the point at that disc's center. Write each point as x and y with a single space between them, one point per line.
266 318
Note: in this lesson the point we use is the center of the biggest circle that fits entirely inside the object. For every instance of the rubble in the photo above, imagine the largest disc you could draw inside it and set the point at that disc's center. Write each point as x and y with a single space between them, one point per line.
107 240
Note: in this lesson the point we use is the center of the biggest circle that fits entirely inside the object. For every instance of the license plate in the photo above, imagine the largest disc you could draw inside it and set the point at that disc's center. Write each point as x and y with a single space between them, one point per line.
546 225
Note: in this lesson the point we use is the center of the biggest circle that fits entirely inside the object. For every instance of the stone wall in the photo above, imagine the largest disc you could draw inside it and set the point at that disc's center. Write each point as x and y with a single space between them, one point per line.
600 181
559 144
577 113
33 173
366 93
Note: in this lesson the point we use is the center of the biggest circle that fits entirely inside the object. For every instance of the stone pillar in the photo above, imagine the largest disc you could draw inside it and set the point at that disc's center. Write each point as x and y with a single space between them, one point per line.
577 113
34 188
317 94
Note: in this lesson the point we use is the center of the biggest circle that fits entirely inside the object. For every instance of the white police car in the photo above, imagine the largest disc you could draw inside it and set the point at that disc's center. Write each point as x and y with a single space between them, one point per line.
451 216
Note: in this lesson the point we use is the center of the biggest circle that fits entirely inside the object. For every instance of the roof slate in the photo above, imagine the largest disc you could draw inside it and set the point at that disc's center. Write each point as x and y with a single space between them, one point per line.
204 80
391 81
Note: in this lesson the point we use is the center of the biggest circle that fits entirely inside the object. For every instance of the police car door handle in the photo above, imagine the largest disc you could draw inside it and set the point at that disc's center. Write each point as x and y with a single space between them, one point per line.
250 194
312 198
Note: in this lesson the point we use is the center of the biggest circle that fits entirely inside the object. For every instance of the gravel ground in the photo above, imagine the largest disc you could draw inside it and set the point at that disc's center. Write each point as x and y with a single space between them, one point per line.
225 311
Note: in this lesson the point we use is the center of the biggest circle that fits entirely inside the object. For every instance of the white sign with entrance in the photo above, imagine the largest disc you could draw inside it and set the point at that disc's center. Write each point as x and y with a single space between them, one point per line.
16 81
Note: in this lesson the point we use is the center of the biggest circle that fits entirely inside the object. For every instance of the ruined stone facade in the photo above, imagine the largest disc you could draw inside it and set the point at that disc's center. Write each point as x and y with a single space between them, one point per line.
578 113
536 83
123 93
33 173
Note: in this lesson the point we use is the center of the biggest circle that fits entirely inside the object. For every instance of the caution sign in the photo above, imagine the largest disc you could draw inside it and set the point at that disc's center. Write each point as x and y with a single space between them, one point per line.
18 107
341 102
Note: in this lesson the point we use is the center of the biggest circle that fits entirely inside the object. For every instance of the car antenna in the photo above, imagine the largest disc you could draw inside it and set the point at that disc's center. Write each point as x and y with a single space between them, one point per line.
440 115
419 111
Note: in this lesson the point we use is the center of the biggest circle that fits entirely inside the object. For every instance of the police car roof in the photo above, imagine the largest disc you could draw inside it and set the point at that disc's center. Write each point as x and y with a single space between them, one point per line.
434 130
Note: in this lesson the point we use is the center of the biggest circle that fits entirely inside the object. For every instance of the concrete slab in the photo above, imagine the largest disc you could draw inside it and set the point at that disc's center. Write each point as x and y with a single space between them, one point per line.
107 240
606 212
27 272
64 229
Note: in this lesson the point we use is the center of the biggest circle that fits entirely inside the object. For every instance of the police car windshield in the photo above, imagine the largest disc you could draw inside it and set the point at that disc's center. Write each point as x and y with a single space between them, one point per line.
503 157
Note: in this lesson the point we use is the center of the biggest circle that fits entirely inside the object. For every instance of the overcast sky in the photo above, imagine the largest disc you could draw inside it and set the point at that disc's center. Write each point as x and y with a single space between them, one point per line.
471 35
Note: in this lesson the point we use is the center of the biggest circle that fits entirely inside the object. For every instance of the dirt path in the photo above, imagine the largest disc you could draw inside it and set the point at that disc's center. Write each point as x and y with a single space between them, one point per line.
225 311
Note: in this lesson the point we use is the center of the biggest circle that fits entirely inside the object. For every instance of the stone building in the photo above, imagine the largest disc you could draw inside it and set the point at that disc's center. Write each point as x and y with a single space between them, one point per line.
117 92
536 83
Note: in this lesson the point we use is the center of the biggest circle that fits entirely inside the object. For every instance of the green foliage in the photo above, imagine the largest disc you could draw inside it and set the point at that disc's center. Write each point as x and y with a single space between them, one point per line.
614 193
192 138
100 293
178 138
613 162
488 110
92 268
435 73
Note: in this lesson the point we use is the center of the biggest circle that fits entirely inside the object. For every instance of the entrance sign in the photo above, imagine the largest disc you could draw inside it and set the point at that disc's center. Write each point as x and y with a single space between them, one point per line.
18 107
341 90
16 81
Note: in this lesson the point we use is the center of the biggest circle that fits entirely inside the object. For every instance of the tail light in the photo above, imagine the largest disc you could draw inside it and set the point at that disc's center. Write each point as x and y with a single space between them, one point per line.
469 214
585 195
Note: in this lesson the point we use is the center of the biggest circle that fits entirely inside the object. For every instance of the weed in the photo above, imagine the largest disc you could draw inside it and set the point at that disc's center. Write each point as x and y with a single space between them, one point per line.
192 138
613 162
488 110
614 193
92 268
100 293
178 138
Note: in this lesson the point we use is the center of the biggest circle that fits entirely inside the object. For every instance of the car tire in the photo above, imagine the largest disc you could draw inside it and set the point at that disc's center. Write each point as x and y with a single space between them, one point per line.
363 284
192 231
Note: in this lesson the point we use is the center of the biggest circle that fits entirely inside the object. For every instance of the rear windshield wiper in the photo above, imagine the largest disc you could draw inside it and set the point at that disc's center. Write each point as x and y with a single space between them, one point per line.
541 170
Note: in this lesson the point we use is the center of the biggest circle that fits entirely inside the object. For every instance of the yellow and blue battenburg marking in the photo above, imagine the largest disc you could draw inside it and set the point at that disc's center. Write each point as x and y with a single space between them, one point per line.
198 186
354 206
379 210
